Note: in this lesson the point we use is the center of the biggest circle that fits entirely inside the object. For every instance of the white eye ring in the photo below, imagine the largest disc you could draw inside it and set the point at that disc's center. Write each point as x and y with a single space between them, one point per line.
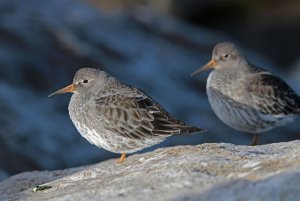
85 81
225 56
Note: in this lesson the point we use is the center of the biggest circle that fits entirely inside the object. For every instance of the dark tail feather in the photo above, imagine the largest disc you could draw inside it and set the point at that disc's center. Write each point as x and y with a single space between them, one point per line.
190 129
185 128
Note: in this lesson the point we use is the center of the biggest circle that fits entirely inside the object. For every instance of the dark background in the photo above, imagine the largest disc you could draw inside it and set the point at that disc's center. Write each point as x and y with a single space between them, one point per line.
151 44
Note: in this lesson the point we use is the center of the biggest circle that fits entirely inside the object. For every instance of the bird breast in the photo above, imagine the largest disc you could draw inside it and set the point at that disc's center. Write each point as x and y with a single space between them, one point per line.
230 84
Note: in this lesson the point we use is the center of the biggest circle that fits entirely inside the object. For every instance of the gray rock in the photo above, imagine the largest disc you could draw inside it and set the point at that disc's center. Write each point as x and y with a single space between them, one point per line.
204 172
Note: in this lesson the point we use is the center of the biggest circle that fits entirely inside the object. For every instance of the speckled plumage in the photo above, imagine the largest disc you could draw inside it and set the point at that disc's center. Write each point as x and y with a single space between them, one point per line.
246 97
117 117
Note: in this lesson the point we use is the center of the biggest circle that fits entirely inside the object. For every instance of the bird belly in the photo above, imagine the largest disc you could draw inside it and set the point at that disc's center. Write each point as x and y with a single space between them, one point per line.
93 130
92 135
243 117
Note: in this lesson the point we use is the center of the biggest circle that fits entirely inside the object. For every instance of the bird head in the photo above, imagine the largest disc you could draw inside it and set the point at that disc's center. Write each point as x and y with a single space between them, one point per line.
225 55
84 80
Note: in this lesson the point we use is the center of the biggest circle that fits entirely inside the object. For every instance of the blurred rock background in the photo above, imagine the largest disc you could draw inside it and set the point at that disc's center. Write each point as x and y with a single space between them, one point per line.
152 44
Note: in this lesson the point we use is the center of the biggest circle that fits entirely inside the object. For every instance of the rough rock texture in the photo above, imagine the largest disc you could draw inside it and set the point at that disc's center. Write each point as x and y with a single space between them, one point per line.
203 172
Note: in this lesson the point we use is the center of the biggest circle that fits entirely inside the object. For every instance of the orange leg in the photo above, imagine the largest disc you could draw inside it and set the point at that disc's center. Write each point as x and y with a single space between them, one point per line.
122 159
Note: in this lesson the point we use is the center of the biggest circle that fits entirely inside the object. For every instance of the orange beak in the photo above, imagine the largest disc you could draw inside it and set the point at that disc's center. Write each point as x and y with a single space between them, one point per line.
211 64
67 89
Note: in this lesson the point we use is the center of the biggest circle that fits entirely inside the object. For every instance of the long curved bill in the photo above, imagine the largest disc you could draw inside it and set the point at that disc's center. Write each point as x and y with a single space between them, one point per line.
67 89
211 64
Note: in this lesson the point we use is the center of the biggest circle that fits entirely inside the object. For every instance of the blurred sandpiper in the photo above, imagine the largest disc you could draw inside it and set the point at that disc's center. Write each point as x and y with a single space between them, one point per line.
246 97
117 117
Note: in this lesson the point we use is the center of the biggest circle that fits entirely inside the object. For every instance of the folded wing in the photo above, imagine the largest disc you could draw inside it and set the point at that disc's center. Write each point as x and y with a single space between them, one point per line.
133 114
273 96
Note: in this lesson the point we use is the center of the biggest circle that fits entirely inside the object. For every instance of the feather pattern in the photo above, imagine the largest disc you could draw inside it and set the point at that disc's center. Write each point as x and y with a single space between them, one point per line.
117 117
246 97
137 115
272 95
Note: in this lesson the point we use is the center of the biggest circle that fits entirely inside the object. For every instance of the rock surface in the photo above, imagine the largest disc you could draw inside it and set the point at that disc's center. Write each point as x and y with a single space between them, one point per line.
204 172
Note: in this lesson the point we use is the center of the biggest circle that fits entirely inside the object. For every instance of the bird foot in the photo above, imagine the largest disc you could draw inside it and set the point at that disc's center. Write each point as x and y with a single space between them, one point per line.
122 159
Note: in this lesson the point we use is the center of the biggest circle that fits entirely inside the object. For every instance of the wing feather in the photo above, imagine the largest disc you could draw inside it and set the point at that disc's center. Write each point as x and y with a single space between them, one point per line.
272 95
132 114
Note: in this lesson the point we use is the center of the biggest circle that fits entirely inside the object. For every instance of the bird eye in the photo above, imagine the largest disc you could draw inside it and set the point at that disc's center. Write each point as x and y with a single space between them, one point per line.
85 81
225 56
